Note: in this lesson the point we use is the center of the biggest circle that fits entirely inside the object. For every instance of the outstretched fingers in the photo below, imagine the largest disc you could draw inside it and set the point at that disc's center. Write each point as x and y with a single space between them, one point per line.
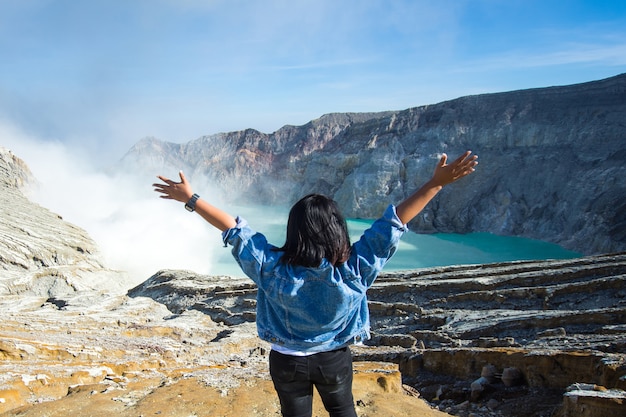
164 188
172 190
465 163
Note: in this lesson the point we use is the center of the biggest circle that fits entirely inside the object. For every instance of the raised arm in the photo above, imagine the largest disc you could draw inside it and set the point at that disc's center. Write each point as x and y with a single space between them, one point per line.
444 174
182 191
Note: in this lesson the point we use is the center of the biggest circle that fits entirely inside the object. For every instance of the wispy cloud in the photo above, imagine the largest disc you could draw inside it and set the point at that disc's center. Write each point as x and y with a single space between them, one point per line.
320 64
585 54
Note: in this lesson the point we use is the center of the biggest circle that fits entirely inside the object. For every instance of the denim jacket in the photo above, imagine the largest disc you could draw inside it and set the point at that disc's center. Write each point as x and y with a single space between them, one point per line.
312 309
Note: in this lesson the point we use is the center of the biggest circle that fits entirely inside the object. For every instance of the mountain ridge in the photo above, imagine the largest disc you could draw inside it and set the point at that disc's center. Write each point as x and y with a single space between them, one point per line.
551 163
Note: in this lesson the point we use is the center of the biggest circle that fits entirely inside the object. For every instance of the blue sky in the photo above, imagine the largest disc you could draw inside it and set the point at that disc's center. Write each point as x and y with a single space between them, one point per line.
102 74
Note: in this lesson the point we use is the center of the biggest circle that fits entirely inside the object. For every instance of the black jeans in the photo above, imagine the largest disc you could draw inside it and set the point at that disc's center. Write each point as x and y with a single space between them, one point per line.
330 372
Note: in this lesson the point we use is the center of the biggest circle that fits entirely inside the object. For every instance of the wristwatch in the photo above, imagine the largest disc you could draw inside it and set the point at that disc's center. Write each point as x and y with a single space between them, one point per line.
191 204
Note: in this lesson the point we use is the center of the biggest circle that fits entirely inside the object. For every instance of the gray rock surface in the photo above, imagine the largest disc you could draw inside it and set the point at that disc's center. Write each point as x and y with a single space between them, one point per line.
40 253
552 163
573 304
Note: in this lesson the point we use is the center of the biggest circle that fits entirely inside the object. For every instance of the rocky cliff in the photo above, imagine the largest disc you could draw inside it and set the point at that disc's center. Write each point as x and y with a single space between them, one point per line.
552 163
40 253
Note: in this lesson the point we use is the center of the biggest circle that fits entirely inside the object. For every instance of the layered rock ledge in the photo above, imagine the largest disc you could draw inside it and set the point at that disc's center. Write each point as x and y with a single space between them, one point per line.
557 323
512 339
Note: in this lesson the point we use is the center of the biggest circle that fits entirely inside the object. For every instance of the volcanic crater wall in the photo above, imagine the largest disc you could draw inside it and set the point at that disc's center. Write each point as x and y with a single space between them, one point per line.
552 163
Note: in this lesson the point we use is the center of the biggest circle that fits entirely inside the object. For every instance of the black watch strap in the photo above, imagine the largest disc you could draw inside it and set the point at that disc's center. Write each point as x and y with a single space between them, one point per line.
191 204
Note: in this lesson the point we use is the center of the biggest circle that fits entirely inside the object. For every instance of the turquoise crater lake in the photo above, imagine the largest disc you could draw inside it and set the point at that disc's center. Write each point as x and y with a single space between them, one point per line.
415 250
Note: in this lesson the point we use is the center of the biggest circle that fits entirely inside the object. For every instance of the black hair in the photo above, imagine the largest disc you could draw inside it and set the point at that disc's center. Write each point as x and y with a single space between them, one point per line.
316 229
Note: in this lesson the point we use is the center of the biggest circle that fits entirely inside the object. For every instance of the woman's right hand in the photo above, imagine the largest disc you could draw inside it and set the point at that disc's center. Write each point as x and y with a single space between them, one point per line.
171 190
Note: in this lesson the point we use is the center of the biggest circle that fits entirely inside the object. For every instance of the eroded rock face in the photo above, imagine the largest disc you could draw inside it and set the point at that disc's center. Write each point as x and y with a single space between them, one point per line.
552 163
40 253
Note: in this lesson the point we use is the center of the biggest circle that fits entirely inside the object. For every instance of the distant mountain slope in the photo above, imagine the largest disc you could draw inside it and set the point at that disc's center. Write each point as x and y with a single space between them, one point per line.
552 163
40 253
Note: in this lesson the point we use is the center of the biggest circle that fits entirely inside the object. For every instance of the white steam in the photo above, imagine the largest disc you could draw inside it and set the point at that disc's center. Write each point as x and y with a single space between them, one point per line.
135 230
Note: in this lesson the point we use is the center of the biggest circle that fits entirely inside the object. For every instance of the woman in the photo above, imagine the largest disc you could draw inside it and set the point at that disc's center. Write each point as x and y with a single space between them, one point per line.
311 299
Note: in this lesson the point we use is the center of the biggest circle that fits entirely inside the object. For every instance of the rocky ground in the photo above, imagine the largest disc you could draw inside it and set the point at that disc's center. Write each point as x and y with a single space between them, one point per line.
100 355
548 339
516 339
